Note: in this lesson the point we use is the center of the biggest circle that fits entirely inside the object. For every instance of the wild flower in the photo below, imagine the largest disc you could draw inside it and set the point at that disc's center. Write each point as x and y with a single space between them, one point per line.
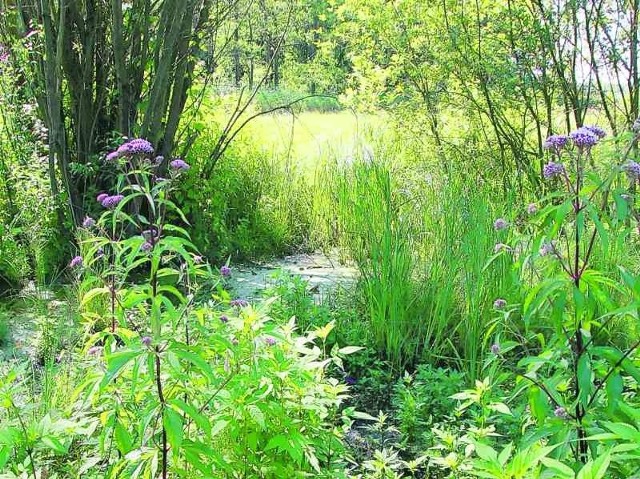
114 155
4 54
88 222
197 259
95 351
561 413
584 137
101 197
270 341
500 224
146 246
138 146
239 303
499 303
495 348
547 248
224 318
555 142
350 380
596 130
151 233
225 271
552 169
111 202
179 165
632 169
158 160
532 209
76 262
146 341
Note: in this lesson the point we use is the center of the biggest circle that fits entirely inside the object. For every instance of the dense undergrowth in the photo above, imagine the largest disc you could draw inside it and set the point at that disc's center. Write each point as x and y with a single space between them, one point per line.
489 335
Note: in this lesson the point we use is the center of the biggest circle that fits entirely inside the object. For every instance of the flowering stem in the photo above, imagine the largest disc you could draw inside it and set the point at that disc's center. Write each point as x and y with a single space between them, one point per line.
162 406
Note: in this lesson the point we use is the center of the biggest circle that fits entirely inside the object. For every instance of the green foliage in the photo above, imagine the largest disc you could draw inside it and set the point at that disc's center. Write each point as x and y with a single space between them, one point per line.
252 207
165 386
422 399
270 99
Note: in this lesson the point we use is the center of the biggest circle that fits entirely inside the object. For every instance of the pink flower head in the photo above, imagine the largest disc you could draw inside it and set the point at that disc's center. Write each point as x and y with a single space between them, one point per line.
179 165
76 262
111 202
500 224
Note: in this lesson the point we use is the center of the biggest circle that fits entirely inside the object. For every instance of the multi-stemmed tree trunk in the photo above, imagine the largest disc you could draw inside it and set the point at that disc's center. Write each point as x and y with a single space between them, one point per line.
98 67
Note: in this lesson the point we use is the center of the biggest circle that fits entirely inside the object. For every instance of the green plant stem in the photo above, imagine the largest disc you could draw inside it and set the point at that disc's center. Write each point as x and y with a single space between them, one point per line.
583 447
26 438
162 406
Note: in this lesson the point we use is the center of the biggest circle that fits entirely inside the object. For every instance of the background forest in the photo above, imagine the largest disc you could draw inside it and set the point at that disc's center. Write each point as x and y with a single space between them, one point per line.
475 163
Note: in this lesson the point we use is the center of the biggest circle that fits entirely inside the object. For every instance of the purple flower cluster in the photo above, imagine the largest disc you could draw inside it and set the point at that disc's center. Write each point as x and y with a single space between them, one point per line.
547 248
113 156
532 209
500 224
4 54
499 303
101 197
146 340
552 169
111 202
555 142
239 303
632 169
596 130
179 165
76 262
225 271
146 246
270 341
495 349
95 351
150 234
88 222
584 137
224 318
561 413
138 146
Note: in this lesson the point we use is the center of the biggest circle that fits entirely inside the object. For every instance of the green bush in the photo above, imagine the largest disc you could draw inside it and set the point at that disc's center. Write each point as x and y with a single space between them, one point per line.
252 207
422 400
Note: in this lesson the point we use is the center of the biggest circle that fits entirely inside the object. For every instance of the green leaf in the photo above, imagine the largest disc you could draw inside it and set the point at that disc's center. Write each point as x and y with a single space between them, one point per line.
115 362
172 422
595 469
201 420
584 378
561 471
54 444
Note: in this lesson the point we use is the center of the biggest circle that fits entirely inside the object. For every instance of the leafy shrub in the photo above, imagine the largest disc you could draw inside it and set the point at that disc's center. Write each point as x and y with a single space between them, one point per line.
422 400
169 387
4 328
250 207
14 264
